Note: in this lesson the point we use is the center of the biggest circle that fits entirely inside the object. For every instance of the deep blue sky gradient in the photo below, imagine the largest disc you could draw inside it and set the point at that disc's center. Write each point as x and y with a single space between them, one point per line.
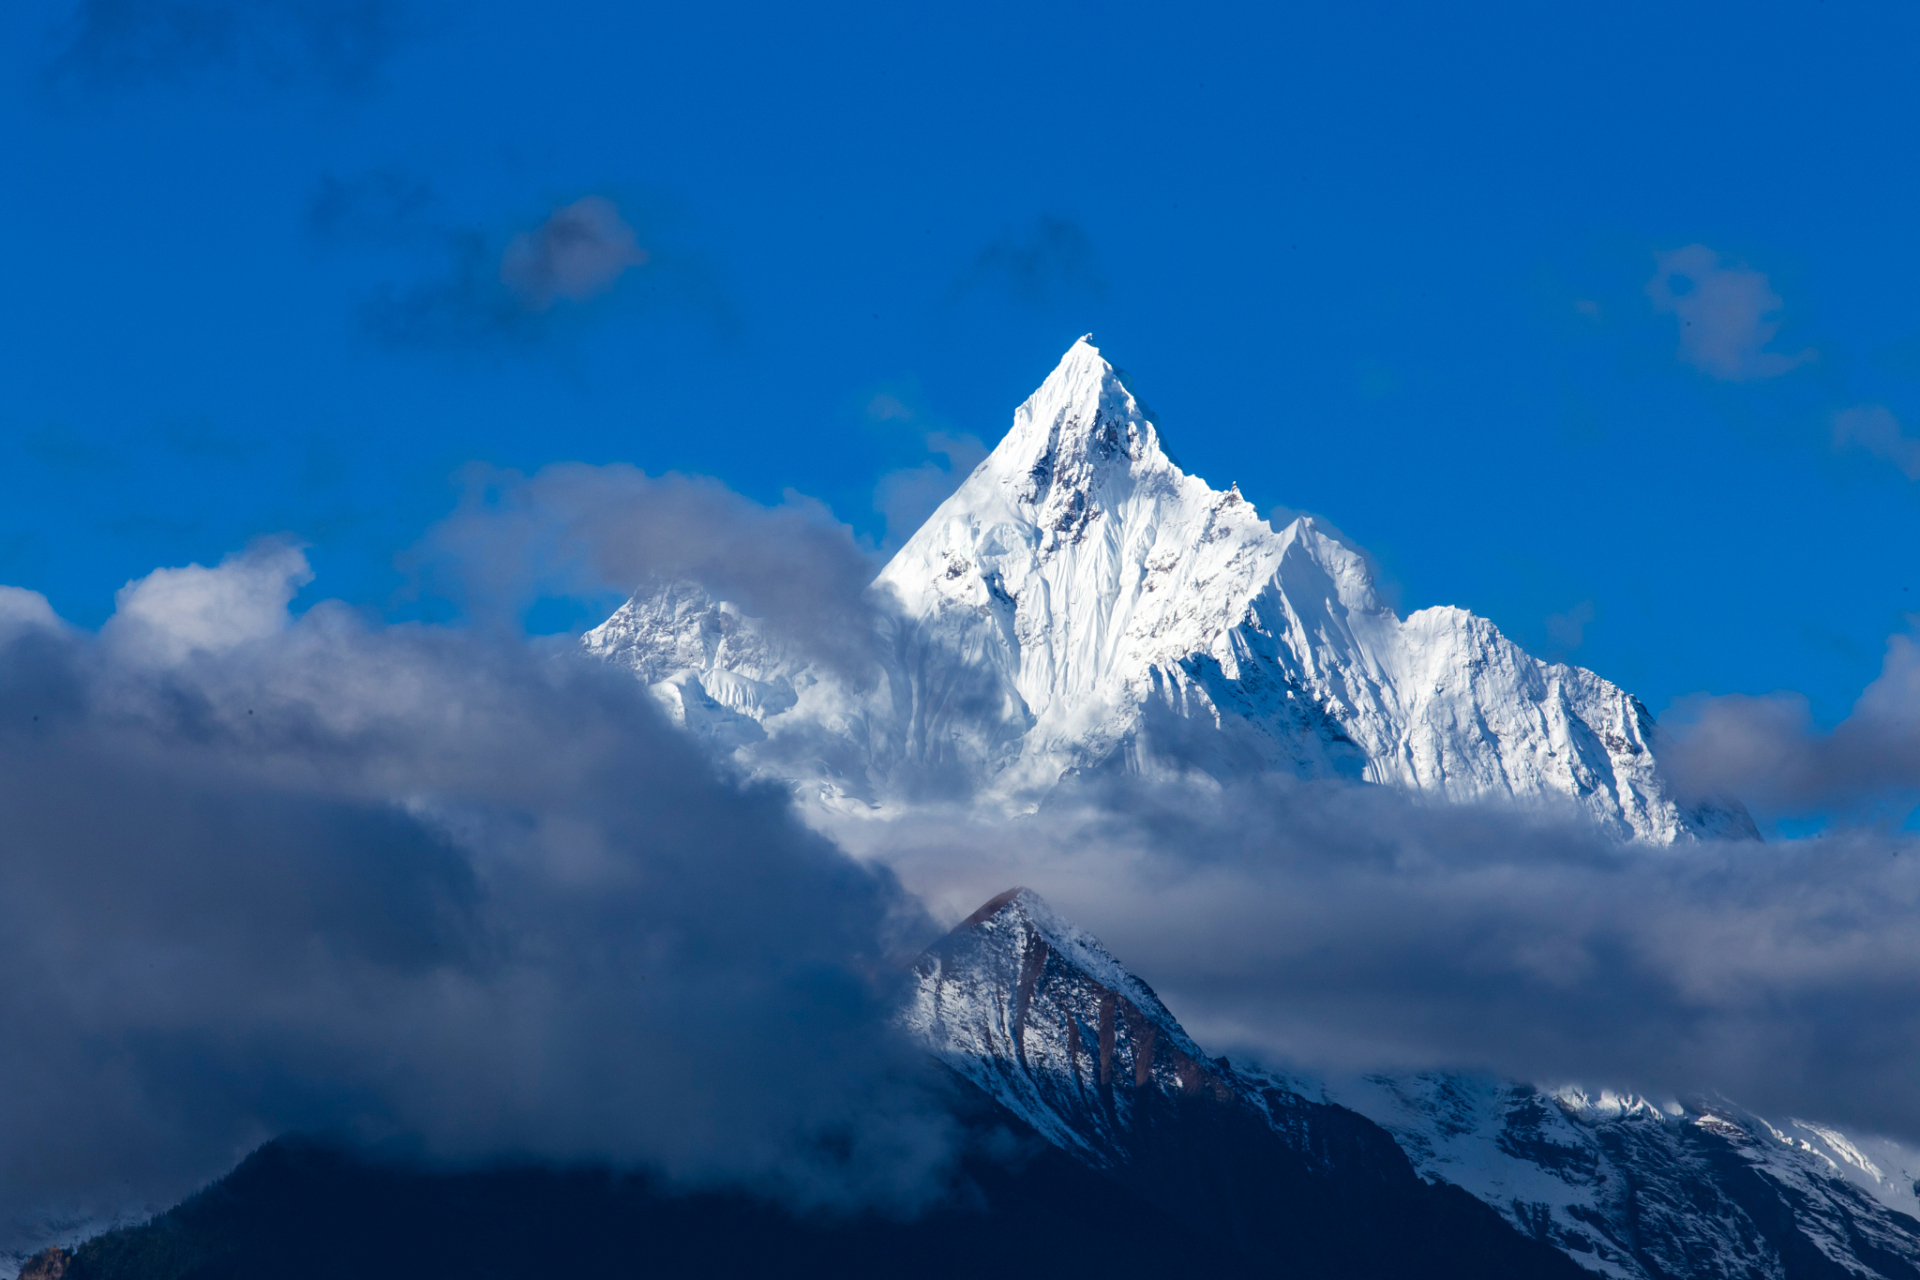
1384 263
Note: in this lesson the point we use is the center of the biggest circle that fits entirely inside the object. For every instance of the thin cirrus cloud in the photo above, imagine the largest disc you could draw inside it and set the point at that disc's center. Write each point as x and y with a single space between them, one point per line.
1727 315
1873 427
380 205
1049 261
1569 629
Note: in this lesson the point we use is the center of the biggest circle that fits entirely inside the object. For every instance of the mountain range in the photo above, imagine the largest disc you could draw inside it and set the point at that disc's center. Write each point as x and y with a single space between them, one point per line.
1080 605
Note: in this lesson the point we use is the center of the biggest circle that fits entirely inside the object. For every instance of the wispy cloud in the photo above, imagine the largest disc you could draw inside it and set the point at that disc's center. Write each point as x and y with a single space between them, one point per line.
1726 315
380 204
906 497
574 528
489 294
1569 629
122 43
1051 260
1874 428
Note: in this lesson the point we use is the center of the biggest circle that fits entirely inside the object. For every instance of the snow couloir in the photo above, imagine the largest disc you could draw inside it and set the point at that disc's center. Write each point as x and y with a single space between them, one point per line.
1081 603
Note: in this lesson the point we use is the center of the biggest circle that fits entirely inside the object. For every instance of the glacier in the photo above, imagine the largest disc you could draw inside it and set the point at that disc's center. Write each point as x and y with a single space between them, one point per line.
1080 603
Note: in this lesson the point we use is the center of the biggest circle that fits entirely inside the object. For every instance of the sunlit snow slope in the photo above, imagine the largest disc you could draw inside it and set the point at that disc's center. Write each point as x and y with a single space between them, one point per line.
1080 603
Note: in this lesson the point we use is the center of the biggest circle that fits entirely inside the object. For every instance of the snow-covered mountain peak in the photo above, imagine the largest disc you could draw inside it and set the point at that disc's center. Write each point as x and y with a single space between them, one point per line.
1080 603
1078 449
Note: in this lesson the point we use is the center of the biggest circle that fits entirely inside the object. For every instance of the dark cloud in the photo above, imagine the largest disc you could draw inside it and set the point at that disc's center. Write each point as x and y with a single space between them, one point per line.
1346 927
412 886
572 528
1768 751
447 889
1053 260
113 43
489 294
576 254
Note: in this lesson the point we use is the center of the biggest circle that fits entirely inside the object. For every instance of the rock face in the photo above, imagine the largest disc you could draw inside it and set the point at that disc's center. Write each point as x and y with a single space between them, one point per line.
48 1264
1081 603
1033 1012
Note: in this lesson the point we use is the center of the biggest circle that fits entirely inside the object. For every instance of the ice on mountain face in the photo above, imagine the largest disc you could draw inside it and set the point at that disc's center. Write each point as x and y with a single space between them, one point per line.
1081 603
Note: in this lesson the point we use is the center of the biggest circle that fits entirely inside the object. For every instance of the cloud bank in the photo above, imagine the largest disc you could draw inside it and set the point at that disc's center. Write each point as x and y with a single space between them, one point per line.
448 890
414 886
1769 749
1339 928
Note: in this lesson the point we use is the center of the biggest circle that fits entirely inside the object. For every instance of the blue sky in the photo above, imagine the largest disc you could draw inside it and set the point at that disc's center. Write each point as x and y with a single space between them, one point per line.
1596 322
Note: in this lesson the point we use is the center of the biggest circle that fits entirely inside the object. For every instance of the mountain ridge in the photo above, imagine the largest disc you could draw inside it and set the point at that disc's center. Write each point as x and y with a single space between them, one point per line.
1621 1186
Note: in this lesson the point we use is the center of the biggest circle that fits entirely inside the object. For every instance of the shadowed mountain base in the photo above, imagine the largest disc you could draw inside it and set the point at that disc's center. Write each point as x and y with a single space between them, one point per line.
1208 1195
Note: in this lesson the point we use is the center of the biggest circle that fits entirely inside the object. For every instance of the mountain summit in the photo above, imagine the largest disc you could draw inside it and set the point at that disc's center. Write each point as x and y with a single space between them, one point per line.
1080 603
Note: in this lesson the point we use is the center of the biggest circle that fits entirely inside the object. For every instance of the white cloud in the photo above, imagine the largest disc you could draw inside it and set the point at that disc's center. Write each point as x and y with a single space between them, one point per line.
173 612
1725 313
23 610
